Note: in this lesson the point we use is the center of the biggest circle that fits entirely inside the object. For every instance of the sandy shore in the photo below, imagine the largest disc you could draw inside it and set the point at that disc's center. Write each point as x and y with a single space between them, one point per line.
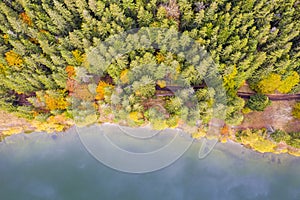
10 124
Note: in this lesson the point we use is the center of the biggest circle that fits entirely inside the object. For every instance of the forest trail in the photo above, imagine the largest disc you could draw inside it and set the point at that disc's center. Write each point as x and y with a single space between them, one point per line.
169 91
273 97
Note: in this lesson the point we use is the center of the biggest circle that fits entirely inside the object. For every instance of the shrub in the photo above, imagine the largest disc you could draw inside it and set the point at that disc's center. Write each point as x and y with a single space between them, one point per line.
295 138
199 134
174 104
256 139
258 102
172 121
294 143
280 136
135 116
246 110
159 124
296 110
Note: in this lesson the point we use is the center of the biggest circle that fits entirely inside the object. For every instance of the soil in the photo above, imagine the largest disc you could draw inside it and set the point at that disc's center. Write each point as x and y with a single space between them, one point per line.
276 116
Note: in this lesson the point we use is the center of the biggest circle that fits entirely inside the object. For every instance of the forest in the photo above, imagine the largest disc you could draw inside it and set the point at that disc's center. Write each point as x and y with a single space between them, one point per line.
65 62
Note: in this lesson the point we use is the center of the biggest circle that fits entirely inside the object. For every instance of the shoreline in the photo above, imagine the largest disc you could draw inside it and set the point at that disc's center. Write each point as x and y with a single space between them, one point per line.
230 138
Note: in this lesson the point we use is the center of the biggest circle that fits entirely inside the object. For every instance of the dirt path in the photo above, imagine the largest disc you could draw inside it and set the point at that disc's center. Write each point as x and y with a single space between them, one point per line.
168 91
273 97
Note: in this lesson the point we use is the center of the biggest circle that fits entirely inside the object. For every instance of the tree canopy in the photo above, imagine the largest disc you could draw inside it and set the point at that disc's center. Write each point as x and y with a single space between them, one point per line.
47 67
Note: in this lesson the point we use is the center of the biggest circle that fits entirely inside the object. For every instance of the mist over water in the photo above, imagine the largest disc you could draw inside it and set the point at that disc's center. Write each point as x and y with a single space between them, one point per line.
58 167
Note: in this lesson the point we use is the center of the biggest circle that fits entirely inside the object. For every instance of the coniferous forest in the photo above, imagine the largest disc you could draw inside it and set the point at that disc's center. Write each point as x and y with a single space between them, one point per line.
64 62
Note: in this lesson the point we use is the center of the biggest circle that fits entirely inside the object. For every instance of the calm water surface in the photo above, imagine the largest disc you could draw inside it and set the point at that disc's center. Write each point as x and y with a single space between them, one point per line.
58 167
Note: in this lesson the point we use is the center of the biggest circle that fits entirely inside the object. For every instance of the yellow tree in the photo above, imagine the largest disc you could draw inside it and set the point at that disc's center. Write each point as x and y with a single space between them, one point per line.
288 83
55 100
269 84
229 81
13 59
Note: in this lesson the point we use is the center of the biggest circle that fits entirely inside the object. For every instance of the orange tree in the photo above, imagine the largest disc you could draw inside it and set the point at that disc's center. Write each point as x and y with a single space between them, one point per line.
103 89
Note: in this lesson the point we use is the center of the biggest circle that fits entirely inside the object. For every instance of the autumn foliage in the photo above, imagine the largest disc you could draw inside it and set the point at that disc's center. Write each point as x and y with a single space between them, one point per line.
102 89
161 83
55 52
274 82
135 116
53 123
79 57
225 130
55 100
269 84
13 59
70 71
124 76
26 19
296 110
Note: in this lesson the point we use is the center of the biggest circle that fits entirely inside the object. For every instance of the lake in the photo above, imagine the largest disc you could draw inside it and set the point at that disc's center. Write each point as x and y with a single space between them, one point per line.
59 167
